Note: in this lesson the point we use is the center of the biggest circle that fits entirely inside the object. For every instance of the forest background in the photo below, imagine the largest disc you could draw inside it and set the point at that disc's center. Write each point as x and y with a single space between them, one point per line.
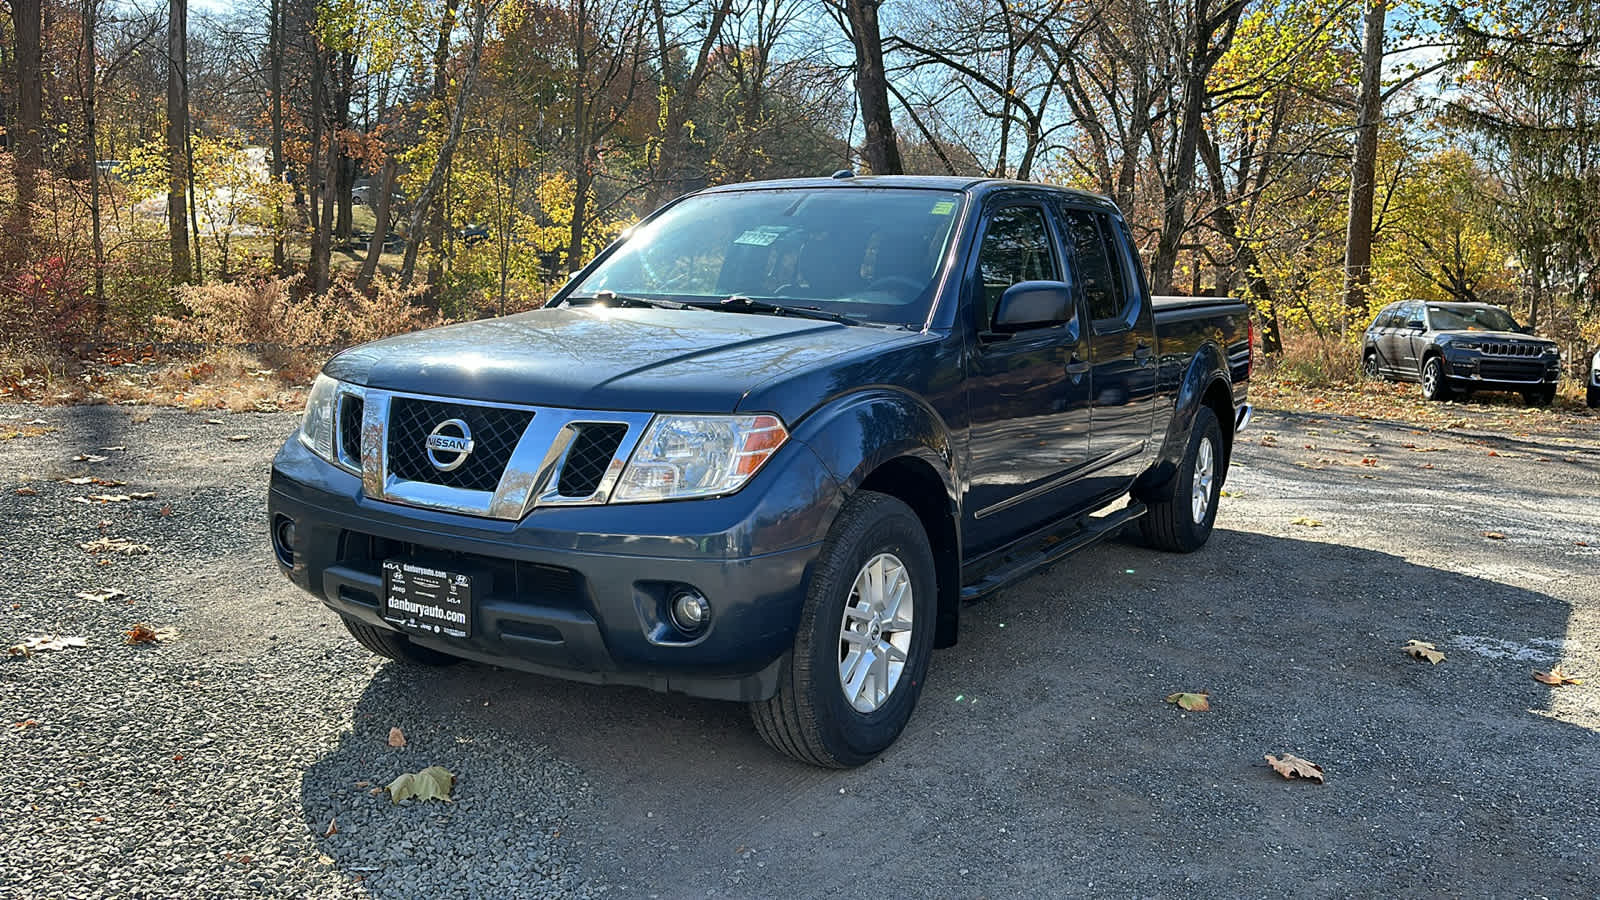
227 185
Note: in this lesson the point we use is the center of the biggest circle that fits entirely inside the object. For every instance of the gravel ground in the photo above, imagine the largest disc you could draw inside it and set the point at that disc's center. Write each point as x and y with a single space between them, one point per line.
1042 760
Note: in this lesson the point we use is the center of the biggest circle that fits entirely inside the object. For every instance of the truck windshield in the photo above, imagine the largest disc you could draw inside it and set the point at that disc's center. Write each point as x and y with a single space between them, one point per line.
1470 318
873 254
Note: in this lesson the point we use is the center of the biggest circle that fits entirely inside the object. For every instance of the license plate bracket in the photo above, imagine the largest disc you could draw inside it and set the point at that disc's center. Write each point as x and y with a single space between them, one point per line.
426 599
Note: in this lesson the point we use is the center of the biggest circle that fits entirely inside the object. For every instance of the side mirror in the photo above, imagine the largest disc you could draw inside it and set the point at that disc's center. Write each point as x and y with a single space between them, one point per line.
1033 304
1417 325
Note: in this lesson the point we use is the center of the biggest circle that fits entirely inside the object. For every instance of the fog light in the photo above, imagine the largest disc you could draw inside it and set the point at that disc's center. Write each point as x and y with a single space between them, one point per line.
283 539
690 611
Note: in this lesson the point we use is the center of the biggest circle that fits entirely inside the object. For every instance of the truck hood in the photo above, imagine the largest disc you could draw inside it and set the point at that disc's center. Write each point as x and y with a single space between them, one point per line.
599 358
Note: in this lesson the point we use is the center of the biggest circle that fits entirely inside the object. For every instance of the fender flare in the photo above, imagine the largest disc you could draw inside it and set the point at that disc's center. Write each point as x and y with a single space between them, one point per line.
1207 368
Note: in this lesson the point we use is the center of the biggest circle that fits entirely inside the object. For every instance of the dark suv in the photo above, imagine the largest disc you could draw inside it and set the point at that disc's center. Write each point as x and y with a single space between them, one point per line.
1458 348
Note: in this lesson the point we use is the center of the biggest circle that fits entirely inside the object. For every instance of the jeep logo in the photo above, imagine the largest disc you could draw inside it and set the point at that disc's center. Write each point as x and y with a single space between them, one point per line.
449 445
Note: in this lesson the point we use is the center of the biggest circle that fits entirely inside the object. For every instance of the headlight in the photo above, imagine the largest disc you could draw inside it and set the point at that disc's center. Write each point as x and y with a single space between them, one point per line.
1466 345
316 427
1552 351
698 456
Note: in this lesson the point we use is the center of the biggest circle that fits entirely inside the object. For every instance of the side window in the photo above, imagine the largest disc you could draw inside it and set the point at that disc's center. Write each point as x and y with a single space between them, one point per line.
1098 272
1386 317
1016 247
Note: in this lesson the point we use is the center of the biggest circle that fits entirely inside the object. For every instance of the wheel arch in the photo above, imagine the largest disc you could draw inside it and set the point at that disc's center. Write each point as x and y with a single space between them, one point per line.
916 483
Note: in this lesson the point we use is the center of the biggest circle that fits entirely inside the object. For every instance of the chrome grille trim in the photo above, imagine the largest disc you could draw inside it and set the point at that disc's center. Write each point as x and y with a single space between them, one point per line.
531 477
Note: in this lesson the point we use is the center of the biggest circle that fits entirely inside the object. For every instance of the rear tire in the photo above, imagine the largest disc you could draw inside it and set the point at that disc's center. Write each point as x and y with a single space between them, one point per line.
1180 520
1435 385
395 646
1593 398
1369 366
828 711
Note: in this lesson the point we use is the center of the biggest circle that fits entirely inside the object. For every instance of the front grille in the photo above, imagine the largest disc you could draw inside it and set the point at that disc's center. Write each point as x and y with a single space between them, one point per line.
1511 370
534 583
588 458
495 432
351 409
1505 348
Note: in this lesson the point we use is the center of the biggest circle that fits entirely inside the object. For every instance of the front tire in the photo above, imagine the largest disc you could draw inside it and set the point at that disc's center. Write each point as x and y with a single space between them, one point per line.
395 646
1593 398
864 641
1435 384
1180 520
1541 397
1369 366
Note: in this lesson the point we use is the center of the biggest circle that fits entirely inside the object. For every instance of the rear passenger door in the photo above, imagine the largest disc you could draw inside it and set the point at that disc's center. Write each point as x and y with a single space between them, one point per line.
1121 348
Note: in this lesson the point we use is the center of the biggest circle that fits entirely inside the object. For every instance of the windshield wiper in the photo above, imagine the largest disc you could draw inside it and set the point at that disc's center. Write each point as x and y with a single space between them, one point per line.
741 303
610 297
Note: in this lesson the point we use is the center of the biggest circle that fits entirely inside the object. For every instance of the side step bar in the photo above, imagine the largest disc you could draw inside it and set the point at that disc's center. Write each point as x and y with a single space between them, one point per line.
1046 549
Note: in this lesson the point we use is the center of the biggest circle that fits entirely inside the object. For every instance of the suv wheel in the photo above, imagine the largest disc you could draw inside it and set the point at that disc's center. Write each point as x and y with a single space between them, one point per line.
1180 520
1434 384
864 641
395 646
1542 397
1594 397
1369 366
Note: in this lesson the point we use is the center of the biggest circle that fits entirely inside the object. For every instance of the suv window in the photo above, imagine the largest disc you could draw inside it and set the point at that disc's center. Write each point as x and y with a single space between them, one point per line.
1016 247
1094 252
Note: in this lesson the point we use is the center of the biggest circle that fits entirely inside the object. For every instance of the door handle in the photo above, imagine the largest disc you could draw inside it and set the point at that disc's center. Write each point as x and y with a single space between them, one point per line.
1076 366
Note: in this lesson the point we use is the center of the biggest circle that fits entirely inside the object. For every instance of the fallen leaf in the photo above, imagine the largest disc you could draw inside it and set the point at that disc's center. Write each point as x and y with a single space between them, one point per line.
166 509
213 421
115 545
48 642
1423 650
1291 767
26 723
397 738
1494 535
144 634
333 827
1556 677
1192 701
86 479
26 492
432 783
103 595
142 495
238 437
1307 522
110 498
117 449
88 457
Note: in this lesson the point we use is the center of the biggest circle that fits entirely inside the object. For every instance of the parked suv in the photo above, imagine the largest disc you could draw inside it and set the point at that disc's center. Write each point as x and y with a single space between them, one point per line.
1458 348
1593 381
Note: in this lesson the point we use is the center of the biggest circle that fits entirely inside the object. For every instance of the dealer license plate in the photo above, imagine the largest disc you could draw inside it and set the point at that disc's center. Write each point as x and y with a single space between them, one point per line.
427 600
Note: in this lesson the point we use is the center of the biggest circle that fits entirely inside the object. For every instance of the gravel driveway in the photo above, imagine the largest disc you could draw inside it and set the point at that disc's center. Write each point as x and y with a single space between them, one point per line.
238 758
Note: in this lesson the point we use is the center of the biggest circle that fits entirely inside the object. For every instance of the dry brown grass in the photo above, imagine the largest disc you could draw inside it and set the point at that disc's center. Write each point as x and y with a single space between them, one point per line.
222 379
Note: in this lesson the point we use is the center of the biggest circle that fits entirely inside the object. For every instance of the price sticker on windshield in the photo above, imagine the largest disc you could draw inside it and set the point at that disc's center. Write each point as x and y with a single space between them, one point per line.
760 237
944 207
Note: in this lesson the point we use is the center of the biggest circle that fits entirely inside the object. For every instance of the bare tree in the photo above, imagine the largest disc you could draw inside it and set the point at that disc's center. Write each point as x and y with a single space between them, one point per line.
1364 161
178 139
859 19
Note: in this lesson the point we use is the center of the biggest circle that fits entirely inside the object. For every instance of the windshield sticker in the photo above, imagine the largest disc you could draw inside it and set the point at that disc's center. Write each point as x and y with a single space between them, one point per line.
944 207
761 237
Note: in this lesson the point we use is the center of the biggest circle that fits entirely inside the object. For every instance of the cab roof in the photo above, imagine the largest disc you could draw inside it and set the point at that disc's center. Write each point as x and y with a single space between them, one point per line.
968 185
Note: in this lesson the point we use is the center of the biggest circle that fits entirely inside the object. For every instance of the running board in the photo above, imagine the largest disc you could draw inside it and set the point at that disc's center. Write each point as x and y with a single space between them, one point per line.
1042 551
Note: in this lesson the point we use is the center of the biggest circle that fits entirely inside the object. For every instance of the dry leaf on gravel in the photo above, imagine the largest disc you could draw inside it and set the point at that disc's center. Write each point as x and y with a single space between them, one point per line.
104 595
238 437
111 498
115 545
1423 650
1291 767
26 492
333 827
1307 521
86 479
397 738
88 457
1193 701
1494 535
143 495
144 634
432 783
1556 676
43 642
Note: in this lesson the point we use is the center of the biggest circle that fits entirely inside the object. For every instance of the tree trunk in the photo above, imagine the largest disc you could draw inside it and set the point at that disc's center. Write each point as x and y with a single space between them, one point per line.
1174 217
1364 163
177 140
316 175
275 51
380 228
882 151
344 184
91 10
25 138
441 163
669 176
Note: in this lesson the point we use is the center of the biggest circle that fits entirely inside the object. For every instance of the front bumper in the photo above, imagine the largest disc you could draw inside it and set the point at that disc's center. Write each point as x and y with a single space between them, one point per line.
1473 371
581 593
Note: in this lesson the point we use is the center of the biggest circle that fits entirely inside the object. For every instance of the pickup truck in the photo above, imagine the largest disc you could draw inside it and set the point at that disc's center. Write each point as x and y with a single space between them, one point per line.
765 446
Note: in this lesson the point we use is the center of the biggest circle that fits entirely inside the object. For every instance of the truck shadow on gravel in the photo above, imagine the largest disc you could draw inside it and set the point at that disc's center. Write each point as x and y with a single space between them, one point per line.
1042 759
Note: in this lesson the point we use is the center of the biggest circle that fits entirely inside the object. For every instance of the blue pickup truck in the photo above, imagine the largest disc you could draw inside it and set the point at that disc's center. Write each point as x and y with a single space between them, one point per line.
766 445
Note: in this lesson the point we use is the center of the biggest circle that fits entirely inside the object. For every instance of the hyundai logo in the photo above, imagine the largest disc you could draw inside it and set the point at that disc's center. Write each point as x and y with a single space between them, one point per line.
451 438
